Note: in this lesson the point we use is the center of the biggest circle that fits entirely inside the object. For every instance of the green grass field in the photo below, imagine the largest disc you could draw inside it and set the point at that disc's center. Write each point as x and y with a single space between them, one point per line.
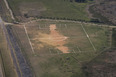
76 34
52 8
46 64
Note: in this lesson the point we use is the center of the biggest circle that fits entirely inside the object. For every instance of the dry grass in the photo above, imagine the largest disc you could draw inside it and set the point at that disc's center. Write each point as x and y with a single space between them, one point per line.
49 61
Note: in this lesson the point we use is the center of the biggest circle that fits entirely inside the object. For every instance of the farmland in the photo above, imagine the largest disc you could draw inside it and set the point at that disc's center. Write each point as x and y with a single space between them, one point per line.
56 38
58 9
58 49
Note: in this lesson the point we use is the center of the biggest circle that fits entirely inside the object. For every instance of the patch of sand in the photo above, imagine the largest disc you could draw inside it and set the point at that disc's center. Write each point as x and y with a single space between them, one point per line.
54 38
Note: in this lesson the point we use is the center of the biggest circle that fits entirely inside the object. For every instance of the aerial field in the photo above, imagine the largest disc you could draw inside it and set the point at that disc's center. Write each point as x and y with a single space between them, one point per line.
58 9
71 35
59 49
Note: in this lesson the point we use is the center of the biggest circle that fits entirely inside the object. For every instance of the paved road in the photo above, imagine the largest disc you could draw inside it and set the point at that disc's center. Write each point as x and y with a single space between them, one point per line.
10 46
21 66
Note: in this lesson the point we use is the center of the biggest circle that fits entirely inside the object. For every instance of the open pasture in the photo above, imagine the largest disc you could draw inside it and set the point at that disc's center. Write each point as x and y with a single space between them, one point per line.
58 9
59 49
60 37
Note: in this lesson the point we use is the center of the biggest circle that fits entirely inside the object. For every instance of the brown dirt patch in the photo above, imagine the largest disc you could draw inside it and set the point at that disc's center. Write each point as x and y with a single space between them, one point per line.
54 38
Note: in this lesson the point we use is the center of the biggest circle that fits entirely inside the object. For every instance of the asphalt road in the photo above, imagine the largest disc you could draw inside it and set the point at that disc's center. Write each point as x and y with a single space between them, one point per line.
21 66
10 46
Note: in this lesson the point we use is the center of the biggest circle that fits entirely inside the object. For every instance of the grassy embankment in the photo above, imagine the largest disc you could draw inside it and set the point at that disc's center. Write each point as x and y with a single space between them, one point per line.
8 66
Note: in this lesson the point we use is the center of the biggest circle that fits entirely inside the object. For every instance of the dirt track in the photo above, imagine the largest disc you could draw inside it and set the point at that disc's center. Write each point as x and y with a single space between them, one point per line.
11 13
54 38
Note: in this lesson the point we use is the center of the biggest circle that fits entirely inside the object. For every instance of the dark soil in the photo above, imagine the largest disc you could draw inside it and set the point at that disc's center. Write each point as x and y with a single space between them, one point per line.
105 10
102 66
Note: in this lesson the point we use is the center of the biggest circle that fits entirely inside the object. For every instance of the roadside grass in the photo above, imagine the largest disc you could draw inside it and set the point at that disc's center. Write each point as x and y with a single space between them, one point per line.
54 8
98 35
9 70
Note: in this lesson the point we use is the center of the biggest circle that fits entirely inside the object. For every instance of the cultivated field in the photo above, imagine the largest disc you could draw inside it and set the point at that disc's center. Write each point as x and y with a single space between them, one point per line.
59 49
49 9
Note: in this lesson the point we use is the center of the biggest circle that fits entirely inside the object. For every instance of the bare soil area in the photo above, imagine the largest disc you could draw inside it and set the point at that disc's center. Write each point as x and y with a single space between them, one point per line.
55 39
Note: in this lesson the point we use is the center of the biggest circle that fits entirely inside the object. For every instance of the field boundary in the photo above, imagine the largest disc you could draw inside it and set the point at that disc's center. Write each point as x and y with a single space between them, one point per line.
64 26
84 22
28 39
88 37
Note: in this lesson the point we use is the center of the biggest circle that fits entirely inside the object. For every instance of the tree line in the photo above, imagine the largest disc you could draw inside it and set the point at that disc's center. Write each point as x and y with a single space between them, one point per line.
80 1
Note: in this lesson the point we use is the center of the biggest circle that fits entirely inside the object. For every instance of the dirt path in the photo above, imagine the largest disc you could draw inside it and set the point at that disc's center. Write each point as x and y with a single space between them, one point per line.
11 13
54 38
